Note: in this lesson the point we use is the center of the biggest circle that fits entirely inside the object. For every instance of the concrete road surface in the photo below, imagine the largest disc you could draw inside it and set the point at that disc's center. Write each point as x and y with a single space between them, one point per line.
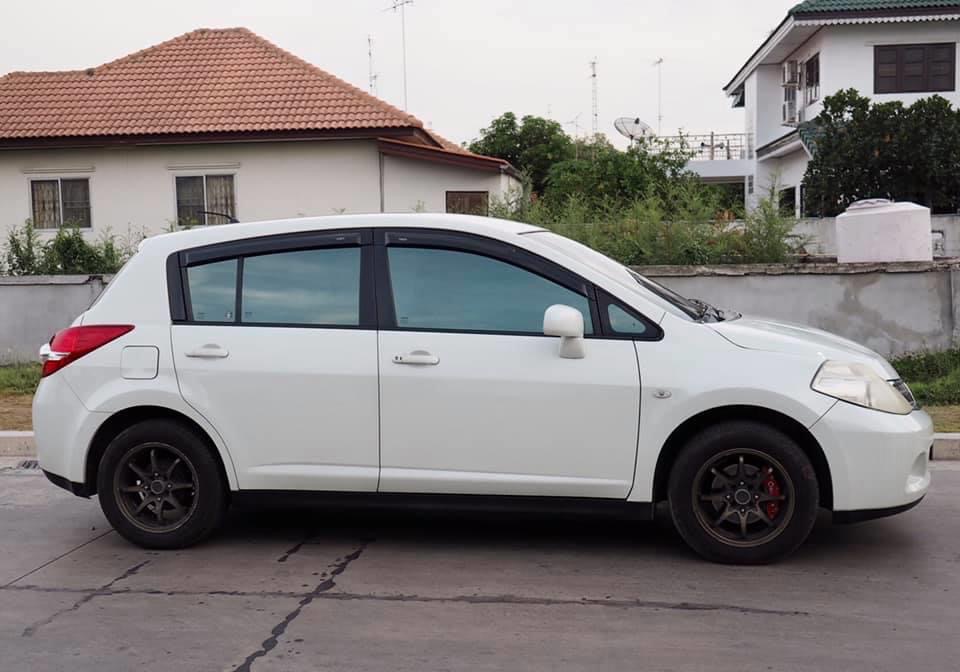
333 591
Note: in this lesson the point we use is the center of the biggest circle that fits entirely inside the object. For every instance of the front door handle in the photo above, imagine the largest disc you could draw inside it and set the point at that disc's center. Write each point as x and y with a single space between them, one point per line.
417 357
208 351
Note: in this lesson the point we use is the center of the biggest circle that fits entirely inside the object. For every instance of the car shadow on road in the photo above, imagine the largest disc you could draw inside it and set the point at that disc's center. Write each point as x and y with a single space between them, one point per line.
549 533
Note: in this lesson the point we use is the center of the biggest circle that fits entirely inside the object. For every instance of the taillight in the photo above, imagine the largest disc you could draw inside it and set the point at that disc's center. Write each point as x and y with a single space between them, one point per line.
71 344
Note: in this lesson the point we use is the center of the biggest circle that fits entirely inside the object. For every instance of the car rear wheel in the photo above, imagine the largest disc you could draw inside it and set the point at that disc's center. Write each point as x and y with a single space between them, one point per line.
160 486
743 493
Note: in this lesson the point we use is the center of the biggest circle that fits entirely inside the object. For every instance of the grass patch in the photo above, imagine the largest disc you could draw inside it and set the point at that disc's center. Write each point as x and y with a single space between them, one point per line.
934 377
19 378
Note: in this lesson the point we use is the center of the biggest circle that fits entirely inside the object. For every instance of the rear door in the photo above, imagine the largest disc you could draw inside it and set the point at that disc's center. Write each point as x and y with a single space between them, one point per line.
275 344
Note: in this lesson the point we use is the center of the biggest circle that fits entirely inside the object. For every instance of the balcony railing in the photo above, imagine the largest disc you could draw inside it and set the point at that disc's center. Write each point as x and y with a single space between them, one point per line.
708 146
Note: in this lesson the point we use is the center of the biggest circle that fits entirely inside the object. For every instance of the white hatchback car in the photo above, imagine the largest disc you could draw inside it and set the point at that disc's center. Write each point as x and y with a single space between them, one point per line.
418 359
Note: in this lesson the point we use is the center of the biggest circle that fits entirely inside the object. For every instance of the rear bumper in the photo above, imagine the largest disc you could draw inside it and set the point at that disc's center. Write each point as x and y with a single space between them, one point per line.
878 461
63 429
78 489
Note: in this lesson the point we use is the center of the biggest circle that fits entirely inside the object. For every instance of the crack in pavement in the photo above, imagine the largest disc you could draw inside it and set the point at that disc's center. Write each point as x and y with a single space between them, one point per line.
59 557
30 630
551 602
464 599
277 631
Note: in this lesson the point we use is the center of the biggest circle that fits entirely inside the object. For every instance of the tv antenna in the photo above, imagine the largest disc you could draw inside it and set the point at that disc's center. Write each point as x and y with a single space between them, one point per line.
633 128
595 101
400 5
658 64
373 75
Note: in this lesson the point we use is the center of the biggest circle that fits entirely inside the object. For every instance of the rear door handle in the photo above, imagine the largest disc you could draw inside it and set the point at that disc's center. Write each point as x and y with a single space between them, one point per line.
417 357
208 351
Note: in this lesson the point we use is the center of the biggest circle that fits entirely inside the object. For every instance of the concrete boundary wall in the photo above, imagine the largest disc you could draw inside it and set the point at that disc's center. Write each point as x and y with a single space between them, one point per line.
33 308
821 235
892 308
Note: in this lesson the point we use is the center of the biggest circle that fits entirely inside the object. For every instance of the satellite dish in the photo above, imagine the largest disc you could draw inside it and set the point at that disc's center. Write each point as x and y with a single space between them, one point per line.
633 128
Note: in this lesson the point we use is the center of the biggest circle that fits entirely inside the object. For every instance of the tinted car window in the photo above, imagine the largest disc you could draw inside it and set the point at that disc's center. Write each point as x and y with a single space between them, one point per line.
623 322
461 291
310 287
213 291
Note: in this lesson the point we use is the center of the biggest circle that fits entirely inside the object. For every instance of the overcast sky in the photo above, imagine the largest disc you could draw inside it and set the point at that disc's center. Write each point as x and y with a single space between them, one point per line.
467 60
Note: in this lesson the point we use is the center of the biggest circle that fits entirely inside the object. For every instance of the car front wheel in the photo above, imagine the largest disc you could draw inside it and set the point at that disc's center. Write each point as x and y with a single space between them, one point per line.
160 486
743 493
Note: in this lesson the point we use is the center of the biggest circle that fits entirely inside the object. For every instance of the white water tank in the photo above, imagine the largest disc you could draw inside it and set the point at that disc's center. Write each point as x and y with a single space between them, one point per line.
881 230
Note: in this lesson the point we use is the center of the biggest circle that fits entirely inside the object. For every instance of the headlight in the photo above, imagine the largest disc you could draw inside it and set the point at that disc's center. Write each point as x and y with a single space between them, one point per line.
860 385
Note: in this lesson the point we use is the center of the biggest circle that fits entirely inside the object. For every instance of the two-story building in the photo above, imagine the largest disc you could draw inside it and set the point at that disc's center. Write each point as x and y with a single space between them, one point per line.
885 49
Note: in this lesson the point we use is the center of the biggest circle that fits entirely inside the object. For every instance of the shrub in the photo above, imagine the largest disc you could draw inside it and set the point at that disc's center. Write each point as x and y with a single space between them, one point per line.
678 223
67 252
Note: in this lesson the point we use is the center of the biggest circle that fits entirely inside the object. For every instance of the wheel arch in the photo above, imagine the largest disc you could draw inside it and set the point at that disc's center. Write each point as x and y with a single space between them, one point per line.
784 423
128 417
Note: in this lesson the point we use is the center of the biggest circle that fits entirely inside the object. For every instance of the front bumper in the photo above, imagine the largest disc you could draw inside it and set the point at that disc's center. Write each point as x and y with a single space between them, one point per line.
878 461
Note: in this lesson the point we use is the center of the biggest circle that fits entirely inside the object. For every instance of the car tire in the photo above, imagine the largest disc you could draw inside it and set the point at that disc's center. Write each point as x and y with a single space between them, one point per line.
743 493
160 485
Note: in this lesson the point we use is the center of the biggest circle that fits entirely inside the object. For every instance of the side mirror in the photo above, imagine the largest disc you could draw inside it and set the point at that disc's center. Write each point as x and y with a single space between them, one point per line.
567 323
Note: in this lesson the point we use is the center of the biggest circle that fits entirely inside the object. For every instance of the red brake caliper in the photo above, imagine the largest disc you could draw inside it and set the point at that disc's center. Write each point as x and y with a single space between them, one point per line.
773 489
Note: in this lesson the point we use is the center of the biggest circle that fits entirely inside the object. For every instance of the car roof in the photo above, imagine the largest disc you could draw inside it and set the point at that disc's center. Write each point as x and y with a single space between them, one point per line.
208 235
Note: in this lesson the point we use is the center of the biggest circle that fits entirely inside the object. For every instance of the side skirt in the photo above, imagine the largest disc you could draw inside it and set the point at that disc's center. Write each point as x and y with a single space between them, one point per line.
611 508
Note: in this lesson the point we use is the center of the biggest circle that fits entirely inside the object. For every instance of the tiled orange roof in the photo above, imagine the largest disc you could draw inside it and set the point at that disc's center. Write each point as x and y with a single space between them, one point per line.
206 81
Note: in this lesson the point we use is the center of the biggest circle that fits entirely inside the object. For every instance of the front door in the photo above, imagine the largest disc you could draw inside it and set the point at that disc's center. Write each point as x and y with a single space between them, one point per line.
278 352
474 399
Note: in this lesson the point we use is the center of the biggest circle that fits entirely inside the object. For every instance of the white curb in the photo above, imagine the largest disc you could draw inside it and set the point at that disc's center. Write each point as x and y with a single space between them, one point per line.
17 444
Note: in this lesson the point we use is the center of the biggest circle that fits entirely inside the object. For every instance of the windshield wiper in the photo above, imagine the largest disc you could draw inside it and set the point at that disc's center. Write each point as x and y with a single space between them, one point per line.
704 309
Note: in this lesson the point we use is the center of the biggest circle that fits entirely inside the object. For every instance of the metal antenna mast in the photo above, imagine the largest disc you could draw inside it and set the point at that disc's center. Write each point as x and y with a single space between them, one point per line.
658 64
596 104
401 4
373 75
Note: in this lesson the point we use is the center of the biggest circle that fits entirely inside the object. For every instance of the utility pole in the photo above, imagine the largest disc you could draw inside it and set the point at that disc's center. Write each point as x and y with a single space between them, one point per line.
596 103
658 64
373 75
400 5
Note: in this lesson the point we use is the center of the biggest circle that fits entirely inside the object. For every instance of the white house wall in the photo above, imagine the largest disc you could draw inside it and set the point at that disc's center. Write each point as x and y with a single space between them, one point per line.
412 185
132 189
847 59
769 105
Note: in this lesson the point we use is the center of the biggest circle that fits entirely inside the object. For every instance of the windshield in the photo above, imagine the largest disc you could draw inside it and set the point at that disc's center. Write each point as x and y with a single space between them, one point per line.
679 305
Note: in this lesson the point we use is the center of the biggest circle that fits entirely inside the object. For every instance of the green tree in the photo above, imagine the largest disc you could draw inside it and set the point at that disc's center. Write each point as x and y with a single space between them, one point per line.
601 173
884 150
532 145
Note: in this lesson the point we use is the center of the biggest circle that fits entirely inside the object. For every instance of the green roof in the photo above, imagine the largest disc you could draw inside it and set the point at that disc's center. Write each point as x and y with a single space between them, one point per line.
827 6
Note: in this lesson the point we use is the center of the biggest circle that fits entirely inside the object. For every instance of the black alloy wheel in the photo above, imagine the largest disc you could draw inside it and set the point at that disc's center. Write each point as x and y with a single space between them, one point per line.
156 487
743 492
161 485
743 497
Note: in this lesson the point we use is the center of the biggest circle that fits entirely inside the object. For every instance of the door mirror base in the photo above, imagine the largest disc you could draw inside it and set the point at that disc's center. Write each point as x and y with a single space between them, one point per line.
572 347
567 323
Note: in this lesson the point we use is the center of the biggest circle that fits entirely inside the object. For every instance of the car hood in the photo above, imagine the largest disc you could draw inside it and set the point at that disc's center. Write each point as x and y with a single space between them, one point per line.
757 333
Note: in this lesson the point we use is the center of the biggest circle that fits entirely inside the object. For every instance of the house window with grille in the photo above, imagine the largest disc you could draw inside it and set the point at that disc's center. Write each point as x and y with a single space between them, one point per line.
468 202
60 202
915 68
205 199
